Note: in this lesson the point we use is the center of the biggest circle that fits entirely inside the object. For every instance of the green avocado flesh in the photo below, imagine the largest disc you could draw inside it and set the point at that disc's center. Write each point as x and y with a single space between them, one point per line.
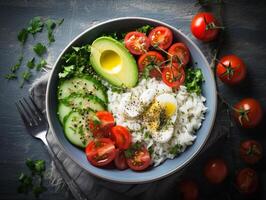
111 60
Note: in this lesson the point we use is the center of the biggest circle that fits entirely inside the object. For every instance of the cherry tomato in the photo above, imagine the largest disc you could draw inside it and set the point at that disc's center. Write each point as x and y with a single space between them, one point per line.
189 190
137 43
180 53
139 160
101 125
101 151
204 26
231 69
248 113
215 170
120 160
121 136
251 151
161 37
154 59
247 181
173 76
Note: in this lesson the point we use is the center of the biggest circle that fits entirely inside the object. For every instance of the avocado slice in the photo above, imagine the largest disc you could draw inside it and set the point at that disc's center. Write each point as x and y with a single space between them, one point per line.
111 60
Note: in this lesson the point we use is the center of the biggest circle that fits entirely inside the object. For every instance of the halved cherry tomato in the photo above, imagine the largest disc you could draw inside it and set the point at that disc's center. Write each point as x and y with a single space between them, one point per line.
180 53
204 26
154 59
215 170
137 43
161 37
247 181
121 136
231 69
120 160
248 113
101 151
173 75
189 190
140 159
102 124
251 151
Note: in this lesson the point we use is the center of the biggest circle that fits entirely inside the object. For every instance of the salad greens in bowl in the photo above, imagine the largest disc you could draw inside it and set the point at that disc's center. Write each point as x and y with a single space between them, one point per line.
131 100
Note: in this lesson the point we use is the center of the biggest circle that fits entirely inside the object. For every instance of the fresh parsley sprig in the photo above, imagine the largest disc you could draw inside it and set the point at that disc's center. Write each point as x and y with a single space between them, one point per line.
194 80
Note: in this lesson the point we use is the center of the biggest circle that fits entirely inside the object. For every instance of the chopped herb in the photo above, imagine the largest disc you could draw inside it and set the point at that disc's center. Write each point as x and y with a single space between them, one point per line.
68 70
11 76
39 49
23 35
35 25
25 77
175 150
41 64
50 25
194 79
130 152
15 67
145 29
34 182
31 63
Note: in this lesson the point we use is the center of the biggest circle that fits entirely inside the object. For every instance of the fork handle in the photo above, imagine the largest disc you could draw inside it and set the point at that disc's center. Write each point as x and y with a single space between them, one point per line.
73 187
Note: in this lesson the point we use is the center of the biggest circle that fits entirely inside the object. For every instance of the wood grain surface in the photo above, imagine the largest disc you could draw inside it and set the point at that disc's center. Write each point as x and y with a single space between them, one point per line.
245 35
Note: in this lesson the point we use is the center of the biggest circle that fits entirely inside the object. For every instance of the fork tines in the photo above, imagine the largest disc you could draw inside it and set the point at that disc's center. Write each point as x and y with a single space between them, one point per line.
29 111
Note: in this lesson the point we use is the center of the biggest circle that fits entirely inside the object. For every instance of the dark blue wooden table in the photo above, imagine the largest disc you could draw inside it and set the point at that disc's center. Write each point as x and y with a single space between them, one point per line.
245 36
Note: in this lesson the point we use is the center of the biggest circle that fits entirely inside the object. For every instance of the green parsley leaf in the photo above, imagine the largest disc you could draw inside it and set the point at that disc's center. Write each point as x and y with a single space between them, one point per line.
38 189
11 76
68 70
145 29
25 183
23 35
194 79
39 49
50 25
35 25
41 64
31 63
130 151
15 67
175 149
25 77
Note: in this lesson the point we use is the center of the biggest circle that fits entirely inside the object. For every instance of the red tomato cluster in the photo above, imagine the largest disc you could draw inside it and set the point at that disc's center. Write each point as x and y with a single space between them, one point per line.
248 113
160 41
110 143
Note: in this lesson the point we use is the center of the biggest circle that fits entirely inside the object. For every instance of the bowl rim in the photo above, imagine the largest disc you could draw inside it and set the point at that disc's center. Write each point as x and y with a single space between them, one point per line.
167 173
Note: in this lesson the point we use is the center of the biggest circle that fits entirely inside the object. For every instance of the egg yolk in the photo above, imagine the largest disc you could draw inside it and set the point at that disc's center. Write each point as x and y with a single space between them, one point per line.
170 109
110 61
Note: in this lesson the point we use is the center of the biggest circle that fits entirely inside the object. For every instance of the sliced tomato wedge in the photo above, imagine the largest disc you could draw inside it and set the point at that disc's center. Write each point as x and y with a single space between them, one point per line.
173 75
180 53
161 37
121 136
139 160
153 59
137 43
100 152
101 125
120 160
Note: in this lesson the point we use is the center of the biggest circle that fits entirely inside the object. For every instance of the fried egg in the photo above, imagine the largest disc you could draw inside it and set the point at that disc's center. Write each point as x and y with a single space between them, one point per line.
161 116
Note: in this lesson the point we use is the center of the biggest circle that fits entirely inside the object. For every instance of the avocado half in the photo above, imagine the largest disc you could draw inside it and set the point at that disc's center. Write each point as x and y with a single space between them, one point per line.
111 60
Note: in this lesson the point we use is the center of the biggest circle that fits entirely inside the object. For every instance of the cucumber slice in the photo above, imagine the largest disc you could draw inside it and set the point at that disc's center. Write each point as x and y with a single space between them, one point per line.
76 129
63 111
82 85
81 102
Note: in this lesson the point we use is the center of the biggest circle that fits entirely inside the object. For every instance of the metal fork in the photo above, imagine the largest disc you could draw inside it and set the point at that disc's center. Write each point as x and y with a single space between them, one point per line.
37 126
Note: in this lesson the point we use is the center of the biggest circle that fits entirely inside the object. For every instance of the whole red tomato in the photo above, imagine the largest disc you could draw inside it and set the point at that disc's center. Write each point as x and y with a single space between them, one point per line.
204 26
188 189
248 112
250 151
247 181
231 69
215 170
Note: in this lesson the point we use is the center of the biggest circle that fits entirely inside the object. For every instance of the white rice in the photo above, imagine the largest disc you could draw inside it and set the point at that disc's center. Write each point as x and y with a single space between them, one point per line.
190 113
